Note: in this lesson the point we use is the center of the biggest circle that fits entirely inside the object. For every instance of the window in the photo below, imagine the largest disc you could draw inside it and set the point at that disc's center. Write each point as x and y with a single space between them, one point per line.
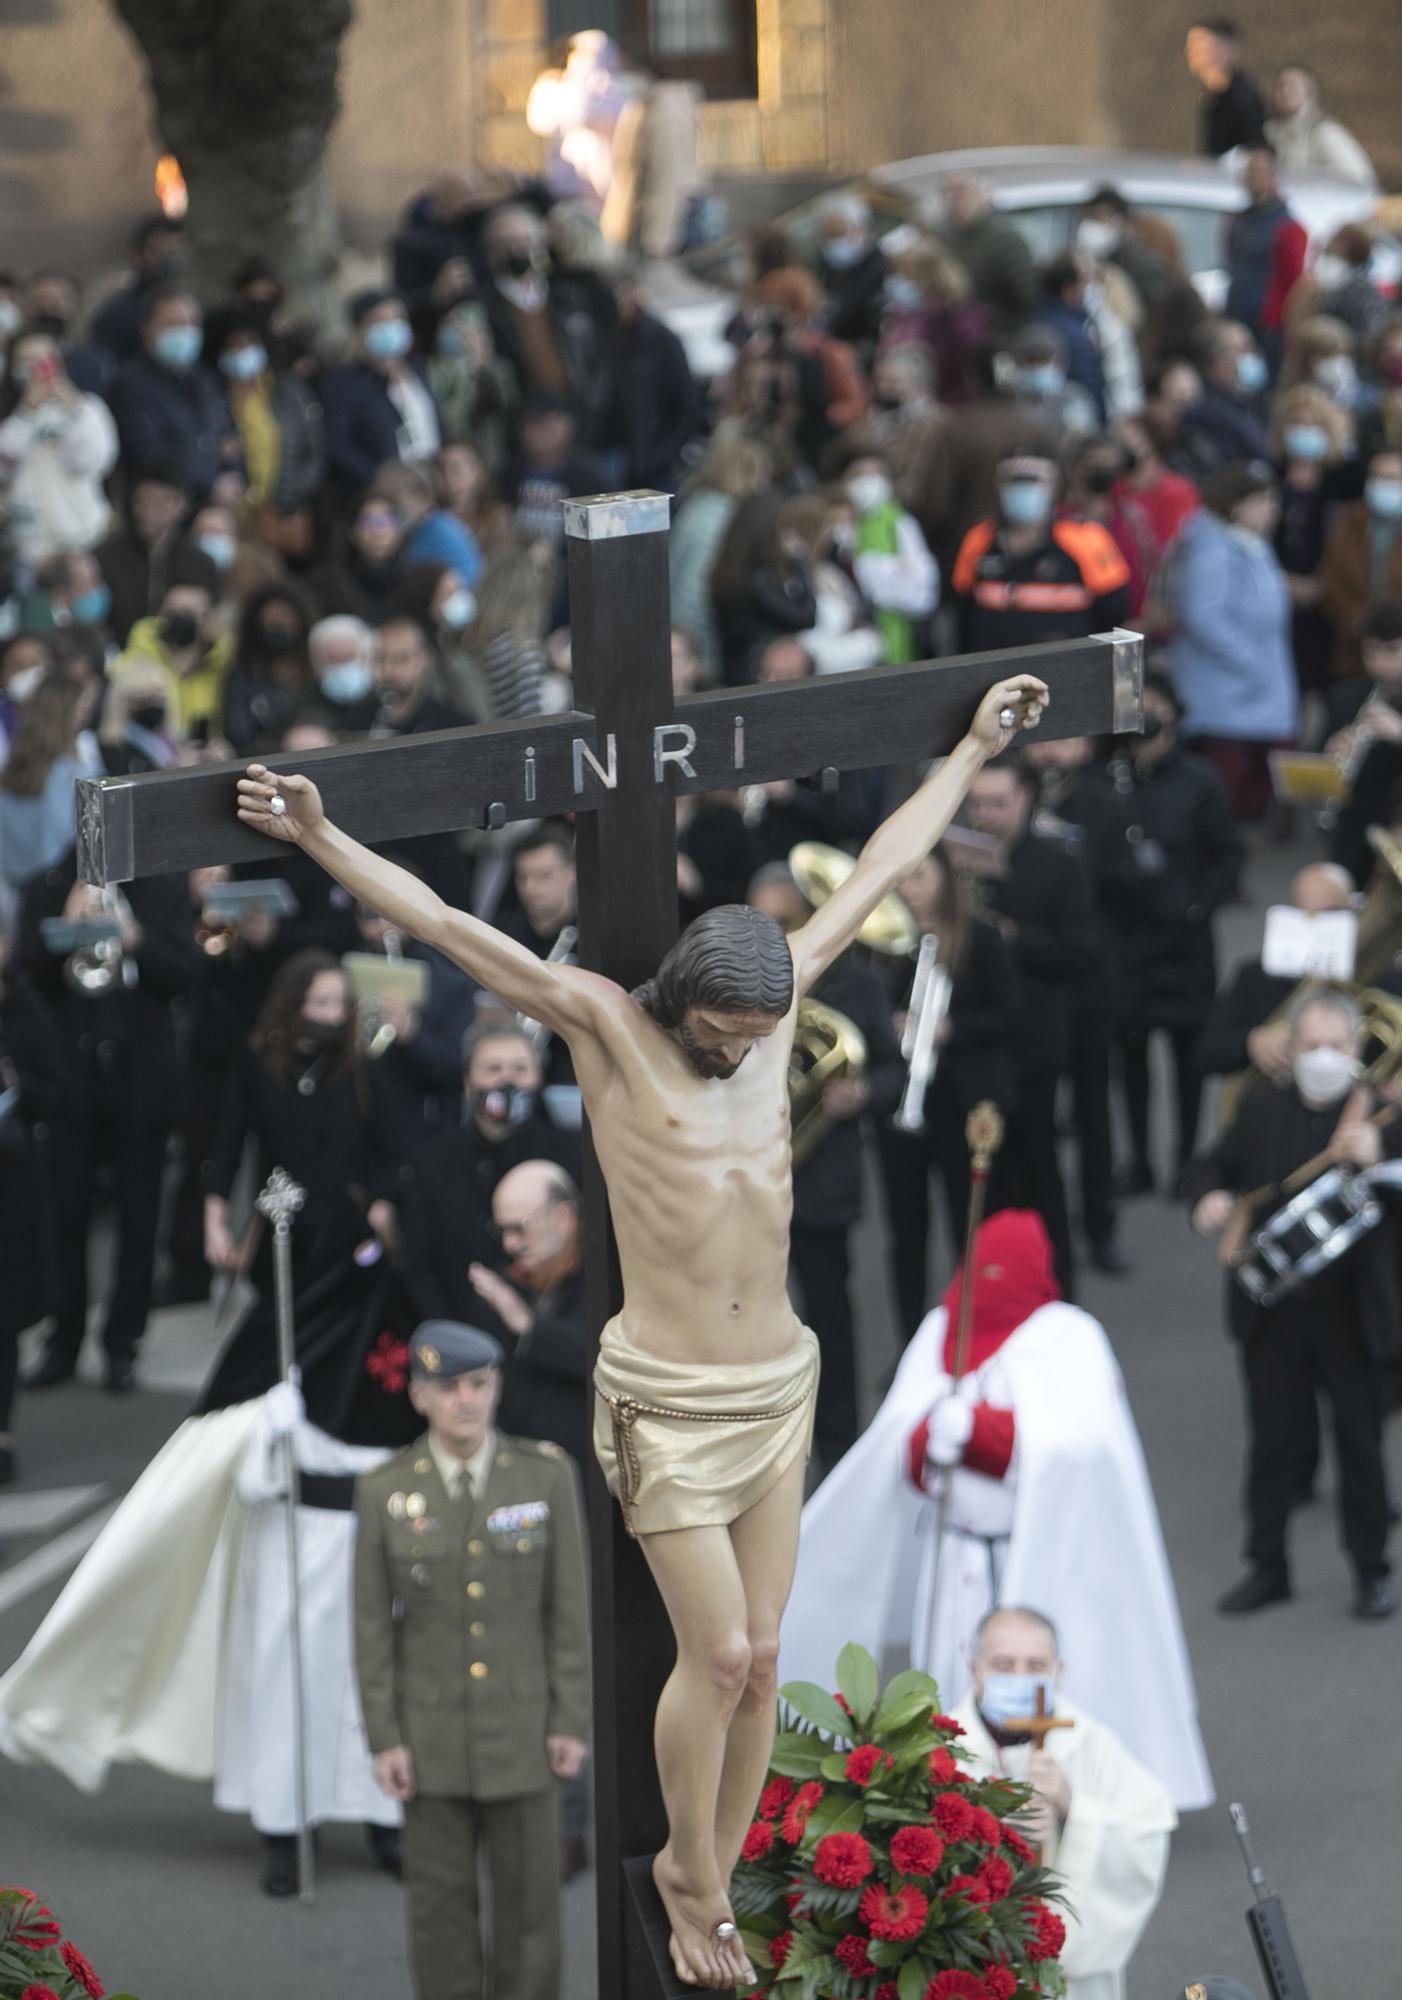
710 42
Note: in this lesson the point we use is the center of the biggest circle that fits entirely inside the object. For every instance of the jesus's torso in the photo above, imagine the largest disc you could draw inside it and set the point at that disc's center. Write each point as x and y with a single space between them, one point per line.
700 1183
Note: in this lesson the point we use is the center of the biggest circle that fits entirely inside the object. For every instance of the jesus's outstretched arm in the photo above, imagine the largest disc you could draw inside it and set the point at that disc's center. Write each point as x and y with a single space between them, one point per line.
561 996
901 843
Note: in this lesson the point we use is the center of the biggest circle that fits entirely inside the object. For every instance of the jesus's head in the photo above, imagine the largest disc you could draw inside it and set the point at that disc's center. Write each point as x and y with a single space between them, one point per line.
726 983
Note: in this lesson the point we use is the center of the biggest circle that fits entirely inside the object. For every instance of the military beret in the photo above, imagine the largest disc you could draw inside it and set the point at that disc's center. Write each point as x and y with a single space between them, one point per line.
442 1348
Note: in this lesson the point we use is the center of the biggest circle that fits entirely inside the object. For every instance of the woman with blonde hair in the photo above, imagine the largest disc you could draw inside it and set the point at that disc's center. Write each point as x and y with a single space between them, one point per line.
1311 438
36 786
928 303
736 465
1321 351
136 729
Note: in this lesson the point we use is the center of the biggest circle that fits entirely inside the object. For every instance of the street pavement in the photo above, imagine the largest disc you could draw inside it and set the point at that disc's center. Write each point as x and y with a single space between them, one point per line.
1298 1704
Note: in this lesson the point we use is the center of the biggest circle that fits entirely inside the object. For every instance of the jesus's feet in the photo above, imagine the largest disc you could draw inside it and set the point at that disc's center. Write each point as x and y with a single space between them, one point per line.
697 1915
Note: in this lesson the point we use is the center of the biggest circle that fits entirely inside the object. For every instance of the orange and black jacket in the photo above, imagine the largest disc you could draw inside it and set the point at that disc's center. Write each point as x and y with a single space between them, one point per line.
1075 583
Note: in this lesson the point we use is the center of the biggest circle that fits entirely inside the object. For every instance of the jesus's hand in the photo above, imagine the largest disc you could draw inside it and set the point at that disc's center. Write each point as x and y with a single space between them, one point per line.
300 810
1024 697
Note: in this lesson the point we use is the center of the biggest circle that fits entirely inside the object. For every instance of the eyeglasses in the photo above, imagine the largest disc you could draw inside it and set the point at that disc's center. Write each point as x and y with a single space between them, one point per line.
501 1230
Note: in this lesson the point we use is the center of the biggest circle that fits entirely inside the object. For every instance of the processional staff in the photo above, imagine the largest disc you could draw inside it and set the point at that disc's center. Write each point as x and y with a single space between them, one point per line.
278 1204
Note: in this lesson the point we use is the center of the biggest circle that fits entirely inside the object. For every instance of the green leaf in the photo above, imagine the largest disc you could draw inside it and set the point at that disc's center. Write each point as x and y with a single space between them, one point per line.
834 1769
858 1680
796 1755
848 1818
912 1979
907 1696
815 1705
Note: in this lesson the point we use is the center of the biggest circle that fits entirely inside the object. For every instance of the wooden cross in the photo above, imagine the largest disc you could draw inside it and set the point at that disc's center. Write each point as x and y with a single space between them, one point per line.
1038 1725
616 762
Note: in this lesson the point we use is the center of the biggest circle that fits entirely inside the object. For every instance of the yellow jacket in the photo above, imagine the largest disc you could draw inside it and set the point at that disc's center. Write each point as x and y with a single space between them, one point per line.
196 696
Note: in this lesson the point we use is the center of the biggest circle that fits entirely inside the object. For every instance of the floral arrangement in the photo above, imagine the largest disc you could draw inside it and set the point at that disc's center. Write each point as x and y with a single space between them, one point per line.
877 1868
36 1961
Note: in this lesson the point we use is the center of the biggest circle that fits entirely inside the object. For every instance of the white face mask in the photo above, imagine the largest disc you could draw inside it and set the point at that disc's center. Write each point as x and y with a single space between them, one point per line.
22 685
1330 272
868 491
1097 239
10 318
1322 1076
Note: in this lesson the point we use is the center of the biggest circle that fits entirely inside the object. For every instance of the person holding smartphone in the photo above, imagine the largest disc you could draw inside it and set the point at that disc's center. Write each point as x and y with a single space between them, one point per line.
57 446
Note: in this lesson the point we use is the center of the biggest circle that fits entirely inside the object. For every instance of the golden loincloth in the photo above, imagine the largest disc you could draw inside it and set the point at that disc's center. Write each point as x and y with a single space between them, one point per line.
688 1444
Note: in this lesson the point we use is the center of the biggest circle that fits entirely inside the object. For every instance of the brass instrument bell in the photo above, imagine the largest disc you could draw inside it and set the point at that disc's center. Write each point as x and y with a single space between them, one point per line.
818 870
826 1046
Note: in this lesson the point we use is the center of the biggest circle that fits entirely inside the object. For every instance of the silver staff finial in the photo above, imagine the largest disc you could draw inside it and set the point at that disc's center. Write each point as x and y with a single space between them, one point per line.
281 1198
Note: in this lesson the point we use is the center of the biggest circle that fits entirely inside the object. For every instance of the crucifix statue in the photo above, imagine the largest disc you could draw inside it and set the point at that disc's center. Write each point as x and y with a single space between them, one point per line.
704 1381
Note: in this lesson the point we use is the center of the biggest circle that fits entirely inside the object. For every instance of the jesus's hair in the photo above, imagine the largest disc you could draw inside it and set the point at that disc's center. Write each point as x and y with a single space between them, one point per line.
733 960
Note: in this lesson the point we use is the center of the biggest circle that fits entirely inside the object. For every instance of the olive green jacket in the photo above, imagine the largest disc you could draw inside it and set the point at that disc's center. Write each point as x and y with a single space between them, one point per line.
472 1618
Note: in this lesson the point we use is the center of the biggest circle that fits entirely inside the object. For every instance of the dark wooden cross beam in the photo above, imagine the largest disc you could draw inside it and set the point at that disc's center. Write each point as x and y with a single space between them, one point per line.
615 762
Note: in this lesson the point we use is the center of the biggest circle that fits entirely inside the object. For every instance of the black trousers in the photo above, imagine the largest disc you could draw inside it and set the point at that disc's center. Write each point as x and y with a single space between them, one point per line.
820 1263
1187 1091
204 1089
1034 1171
136 1155
1304 1349
1091 1037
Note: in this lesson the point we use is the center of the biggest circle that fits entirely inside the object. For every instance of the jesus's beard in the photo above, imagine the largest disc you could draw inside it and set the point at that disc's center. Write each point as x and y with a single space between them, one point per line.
706 1062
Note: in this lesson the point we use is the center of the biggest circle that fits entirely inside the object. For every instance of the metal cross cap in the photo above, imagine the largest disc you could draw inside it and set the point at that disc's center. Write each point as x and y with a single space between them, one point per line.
281 1198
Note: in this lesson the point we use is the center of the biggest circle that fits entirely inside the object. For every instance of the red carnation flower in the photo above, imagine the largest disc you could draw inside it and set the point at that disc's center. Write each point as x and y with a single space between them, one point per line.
842 1860
79 1969
36 1927
793 1899
946 1725
779 1948
916 1850
983 1828
952 1815
851 1954
969 1888
38 1993
1015 1844
1050 1933
863 1764
388 1364
954 1985
999 1982
943 1769
796 1812
886 1991
774 1798
757 1841
996 1876
893 1915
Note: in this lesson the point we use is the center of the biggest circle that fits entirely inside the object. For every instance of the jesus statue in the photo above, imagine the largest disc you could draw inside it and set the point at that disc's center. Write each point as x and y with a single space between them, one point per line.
705 1380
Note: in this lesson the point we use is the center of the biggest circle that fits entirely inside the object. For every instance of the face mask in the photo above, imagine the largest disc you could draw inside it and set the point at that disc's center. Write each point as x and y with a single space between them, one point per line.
1043 378
516 264
1097 239
22 685
323 1034
1013 1697
843 252
1322 1076
1251 374
1152 730
1093 296
352 680
150 717
1023 501
458 609
90 607
506 1105
1100 478
388 339
179 630
1330 272
178 346
869 491
903 293
1338 377
275 641
244 364
887 402
449 341
1306 441
10 317
219 549
1384 498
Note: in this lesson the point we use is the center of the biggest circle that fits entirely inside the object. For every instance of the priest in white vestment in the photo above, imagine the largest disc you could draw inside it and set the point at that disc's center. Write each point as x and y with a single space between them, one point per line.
1101 1820
1049 1502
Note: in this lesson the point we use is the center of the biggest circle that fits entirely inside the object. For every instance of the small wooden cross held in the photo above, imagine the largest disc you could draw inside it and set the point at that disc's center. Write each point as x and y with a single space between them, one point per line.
1039 1725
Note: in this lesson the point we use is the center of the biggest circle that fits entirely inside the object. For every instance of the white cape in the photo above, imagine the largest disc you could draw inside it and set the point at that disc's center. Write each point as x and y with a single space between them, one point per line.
169 1645
1086 1547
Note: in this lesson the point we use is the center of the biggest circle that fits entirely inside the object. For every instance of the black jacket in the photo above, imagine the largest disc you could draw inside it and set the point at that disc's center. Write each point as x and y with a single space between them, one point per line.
1094 814
169 415
32 1053
1188 850
855 299
1371 802
1273 1133
1232 117
545 1392
585 319
445 1207
827 1187
656 408
362 427
135 577
1045 894
1247 1001
121 1051
725 854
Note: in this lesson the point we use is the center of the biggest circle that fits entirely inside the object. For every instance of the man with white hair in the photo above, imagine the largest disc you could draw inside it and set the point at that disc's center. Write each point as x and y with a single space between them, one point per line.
342 650
851 269
1100 1818
991 249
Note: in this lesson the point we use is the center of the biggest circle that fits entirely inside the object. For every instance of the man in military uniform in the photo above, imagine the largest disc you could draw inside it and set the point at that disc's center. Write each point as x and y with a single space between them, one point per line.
472 1651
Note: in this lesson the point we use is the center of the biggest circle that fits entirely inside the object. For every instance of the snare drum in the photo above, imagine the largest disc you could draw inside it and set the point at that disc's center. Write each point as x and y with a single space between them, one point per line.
1310 1233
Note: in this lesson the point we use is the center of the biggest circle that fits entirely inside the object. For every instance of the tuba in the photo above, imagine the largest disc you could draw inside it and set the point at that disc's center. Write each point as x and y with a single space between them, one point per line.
826 1046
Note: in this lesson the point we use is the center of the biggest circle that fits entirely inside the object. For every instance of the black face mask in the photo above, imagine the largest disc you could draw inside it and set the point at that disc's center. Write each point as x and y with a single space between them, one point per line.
506 1105
516 264
1100 478
1152 730
887 402
275 640
322 1034
152 717
179 629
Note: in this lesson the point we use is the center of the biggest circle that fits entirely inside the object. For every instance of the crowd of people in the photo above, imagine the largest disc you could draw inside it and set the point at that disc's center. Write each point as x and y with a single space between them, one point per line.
224 533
